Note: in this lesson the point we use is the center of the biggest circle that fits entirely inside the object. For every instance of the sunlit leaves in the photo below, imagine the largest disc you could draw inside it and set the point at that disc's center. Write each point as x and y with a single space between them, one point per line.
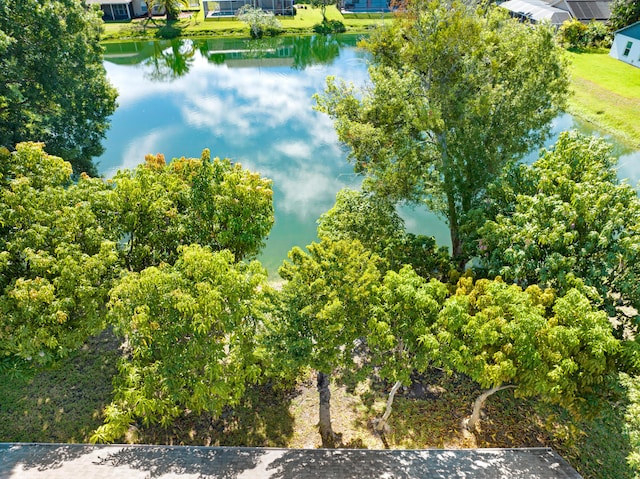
400 331
156 208
453 101
192 333
499 334
326 302
373 221
568 216
56 260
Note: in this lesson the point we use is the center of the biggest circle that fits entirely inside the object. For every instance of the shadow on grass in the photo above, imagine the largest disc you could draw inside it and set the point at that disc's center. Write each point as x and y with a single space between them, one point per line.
261 419
63 403
428 414
597 447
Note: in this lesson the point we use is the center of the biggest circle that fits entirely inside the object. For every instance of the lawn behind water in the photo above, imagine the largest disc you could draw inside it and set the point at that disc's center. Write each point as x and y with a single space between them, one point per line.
193 24
606 92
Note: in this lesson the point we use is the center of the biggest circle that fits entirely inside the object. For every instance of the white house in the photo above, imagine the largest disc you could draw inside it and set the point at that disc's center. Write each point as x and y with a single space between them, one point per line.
626 45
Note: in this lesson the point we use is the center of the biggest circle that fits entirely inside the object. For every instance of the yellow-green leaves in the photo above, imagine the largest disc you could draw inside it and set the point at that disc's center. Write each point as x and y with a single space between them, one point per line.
191 329
57 261
156 208
570 218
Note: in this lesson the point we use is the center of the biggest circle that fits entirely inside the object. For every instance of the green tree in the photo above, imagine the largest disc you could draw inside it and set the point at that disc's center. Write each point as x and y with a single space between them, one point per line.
373 221
399 330
56 261
324 308
322 5
157 207
561 350
624 13
172 8
53 86
260 23
568 216
191 330
573 33
453 101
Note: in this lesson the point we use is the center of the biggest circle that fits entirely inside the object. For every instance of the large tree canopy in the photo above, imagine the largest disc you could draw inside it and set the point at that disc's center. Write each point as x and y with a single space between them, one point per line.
453 101
53 86
324 308
157 207
568 216
56 261
374 222
192 332
558 349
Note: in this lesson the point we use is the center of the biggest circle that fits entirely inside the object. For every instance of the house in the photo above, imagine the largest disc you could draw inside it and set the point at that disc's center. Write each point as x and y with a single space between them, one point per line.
557 11
536 11
120 9
585 10
222 8
626 45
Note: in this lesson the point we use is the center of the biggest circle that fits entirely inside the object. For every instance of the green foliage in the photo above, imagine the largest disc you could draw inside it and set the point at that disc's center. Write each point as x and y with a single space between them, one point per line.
558 349
157 207
192 331
624 13
329 26
322 4
598 35
434 126
172 8
374 221
325 304
56 260
575 34
53 86
260 23
632 417
568 216
399 335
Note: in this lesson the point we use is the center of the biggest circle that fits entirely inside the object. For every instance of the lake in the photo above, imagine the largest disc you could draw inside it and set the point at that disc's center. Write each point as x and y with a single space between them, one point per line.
251 101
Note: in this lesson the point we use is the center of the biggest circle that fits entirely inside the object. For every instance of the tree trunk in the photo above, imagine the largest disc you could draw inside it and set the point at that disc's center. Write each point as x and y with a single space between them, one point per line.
452 212
382 422
326 432
472 421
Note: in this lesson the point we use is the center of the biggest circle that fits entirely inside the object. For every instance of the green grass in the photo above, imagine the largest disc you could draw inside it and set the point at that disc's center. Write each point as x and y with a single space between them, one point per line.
606 92
63 403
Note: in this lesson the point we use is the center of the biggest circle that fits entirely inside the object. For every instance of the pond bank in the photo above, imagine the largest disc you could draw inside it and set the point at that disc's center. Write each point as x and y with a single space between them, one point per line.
194 25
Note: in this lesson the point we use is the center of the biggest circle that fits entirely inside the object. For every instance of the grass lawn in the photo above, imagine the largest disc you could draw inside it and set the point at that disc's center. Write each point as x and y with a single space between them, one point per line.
65 403
193 24
606 92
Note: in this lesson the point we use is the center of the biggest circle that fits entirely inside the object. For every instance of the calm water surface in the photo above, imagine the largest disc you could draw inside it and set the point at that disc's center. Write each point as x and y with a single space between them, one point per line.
252 102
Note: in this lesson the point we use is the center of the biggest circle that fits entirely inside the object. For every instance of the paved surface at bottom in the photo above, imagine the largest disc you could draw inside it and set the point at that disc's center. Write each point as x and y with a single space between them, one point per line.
71 461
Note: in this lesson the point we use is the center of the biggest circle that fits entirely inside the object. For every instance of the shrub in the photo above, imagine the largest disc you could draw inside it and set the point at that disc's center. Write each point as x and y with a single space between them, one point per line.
330 26
572 33
575 34
260 23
